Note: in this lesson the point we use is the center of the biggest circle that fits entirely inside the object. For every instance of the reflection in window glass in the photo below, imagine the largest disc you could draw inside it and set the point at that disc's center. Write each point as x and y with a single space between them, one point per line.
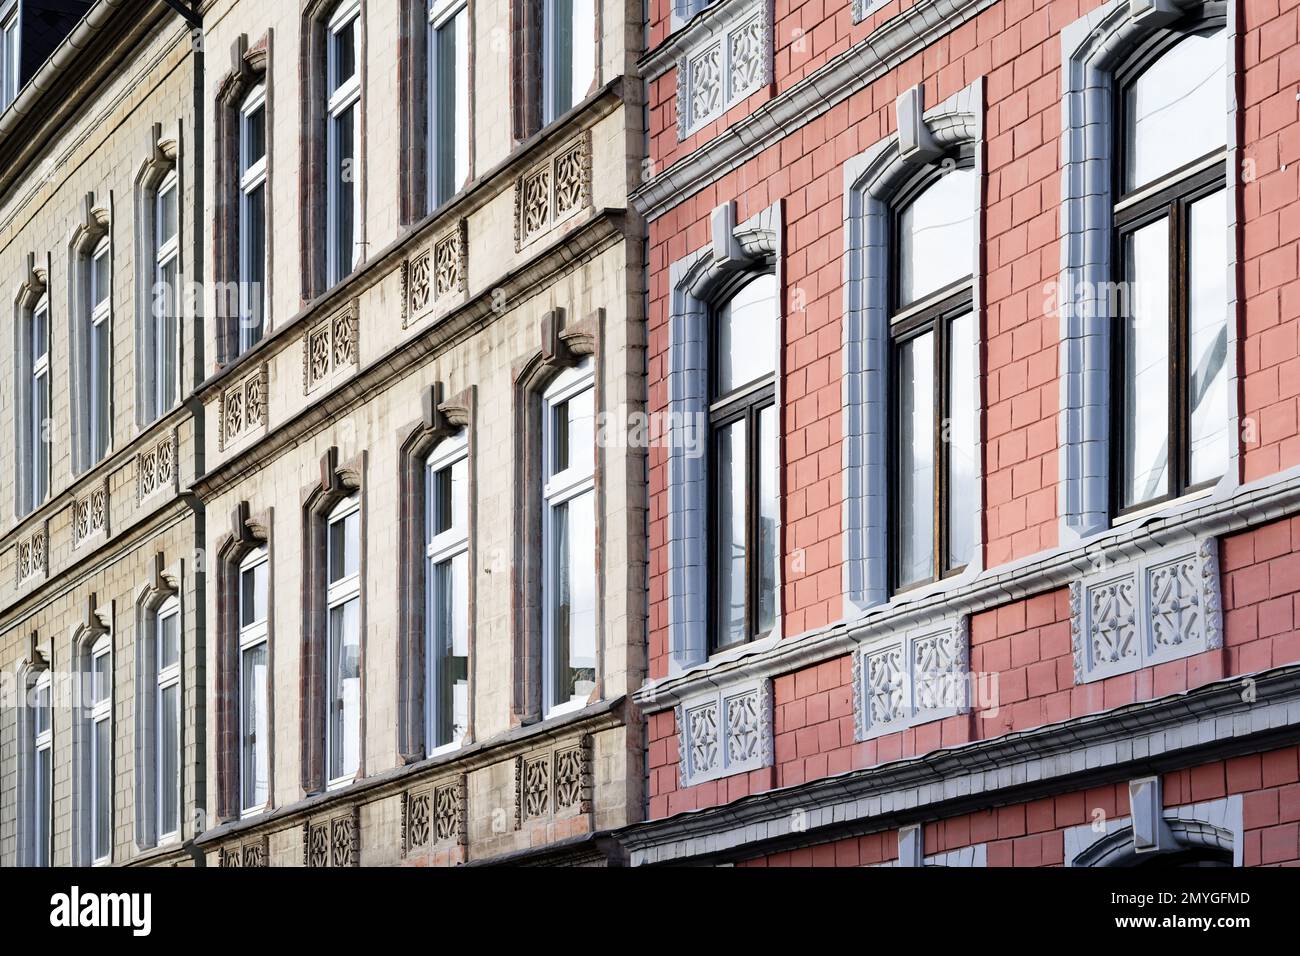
936 236
1146 364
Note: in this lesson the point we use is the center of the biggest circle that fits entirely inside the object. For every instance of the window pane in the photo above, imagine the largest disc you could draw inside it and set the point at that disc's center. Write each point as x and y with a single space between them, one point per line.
101 680
450 496
574 424
768 517
252 257
101 763
936 236
99 399
1176 111
343 54
916 415
254 136
745 330
1146 364
42 806
168 640
345 689
730 504
40 442
252 594
962 448
342 171
41 709
254 738
561 57
450 107
166 343
450 658
344 549
168 760
573 631
166 212
1208 345
40 334
99 278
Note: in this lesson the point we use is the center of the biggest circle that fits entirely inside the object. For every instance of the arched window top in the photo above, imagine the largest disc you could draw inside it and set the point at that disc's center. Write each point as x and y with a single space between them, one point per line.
344 506
935 230
744 335
1169 106
447 449
101 670
256 556
573 376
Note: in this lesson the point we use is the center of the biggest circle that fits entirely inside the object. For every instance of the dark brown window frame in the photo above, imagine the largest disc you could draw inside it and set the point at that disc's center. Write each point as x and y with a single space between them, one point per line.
1183 187
932 313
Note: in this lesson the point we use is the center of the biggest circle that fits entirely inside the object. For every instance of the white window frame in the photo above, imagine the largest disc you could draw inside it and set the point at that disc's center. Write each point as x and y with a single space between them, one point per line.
100 316
252 176
38 456
439 549
250 637
339 101
10 56
166 678
337 594
560 489
443 13
166 253
42 804
101 711
549 111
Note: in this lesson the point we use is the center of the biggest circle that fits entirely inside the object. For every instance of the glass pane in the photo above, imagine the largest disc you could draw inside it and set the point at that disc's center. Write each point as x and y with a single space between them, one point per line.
252 257
1208 345
344 549
916 416
101 680
99 357
450 107
450 496
345 689
936 236
40 441
40 334
169 642
573 631
166 214
574 427
769 514
561 57
168 760
730 504
1176 111
450 658
101 765
254 138
41 805
962 448
99 279
252 594
41 709
253 729
1145 331
582 72
166 344
343 55
745 330
342 170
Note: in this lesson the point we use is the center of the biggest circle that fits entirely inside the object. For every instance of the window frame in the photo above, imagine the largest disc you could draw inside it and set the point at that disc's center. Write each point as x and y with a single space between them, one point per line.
166 677
338 594
550 112
1169 196
165 390
100 712
557 490
439 549
440 15
340 100
99 315
41 808
249 637
744 403
252 176
38 370
10 57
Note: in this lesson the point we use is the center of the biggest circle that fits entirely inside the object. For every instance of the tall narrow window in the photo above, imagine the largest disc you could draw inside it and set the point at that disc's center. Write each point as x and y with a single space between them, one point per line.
343 653
447 588
743 503
163 338
100 752
36 415
42 805
569 539
254 729
252 217
932 369
167 725
448 99
342 135
568 54
98 374
9 55
1170 412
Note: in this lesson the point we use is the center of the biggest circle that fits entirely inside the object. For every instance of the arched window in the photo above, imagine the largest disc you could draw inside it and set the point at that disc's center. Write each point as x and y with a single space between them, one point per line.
40 809
252 217
569 538
743 470
933 334
98 753
446 554
1171 218
343 646
253 673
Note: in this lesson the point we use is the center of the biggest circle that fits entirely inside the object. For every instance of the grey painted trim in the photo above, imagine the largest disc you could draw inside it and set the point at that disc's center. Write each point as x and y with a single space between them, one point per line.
892 43
861 8
754 245
1091 49
1209 723
715 42
870 180
1222 818
915 703
733 746
687 34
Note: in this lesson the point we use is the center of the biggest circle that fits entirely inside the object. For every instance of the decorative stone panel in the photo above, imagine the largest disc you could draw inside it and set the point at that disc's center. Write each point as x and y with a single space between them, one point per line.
435 815
242 407
251 854
1158 608
90 515
156 468
912 678
554 783
724 68
33 556
330 345
437 275
725 732
554 190
333 841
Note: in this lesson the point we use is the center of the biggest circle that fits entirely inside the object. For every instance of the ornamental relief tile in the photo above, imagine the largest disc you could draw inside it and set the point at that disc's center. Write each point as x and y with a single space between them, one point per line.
333 841
553 191
904 679
554 783
435 815
251 854
436 278
33 556
723 68
725 732
242 407
330 346
156 468
90 515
